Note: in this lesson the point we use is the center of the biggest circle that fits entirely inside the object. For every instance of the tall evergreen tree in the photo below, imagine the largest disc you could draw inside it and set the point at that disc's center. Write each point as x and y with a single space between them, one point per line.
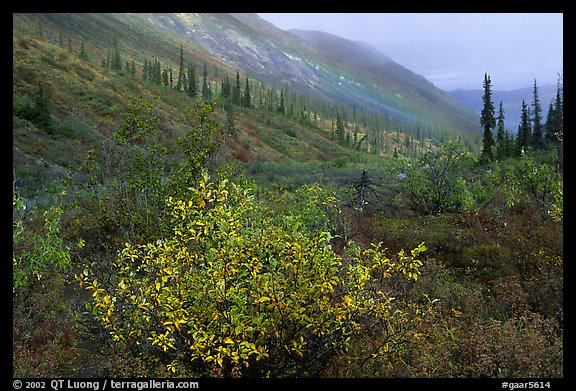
509 144
83 55
555 117
192 86
523 138
236 90
206 93
549 126
158 72
116 62
487 121
180 82
42 117
39 30
247 98
282 106
501 134
537 133
165 80
225 92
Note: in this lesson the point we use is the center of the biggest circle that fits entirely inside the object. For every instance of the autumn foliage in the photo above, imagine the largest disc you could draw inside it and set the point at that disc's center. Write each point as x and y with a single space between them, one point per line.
233 294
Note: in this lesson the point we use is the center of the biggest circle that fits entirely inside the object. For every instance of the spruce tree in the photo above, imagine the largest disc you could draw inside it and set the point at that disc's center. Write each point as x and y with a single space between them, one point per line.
554 119
41 116
247 99
192 86
158 72
180 82
501 134
165 80
116 64
39 30
487 121
82 55
225 92
206 93
549 126
523 138
236 90
282 107
537 133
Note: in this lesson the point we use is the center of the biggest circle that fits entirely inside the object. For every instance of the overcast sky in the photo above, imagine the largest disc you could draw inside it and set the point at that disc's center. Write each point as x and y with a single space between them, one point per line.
453 50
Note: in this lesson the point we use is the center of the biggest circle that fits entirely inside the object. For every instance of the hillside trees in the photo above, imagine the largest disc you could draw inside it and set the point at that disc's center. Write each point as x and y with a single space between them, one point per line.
38 112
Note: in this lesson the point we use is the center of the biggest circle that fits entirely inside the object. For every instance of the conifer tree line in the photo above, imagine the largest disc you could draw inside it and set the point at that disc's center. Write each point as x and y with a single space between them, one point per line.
349 126
532 133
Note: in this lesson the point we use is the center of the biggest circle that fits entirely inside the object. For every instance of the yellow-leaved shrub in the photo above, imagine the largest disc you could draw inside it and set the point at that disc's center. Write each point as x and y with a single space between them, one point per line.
238 292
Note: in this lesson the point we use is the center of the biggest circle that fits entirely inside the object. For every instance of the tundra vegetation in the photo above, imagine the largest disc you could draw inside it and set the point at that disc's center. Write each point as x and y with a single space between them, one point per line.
194 235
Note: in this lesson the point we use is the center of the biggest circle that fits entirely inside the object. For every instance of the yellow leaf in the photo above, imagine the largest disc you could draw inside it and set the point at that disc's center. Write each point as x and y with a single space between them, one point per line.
228 340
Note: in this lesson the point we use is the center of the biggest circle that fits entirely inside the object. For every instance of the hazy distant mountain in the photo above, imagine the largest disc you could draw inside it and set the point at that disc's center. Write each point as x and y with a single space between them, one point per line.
323 65
511 101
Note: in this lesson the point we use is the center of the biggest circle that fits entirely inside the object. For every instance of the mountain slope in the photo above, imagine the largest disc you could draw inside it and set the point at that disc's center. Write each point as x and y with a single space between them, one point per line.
322 65
88 100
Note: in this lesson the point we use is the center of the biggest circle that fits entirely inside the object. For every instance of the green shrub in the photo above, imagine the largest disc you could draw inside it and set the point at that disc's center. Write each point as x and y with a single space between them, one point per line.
434 183
233 294
34 254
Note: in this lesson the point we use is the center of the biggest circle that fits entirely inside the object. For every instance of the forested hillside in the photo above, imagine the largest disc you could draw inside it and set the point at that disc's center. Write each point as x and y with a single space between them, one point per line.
175 215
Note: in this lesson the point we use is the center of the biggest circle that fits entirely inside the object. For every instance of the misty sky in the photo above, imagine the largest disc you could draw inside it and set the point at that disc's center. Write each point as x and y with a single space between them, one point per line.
453 50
